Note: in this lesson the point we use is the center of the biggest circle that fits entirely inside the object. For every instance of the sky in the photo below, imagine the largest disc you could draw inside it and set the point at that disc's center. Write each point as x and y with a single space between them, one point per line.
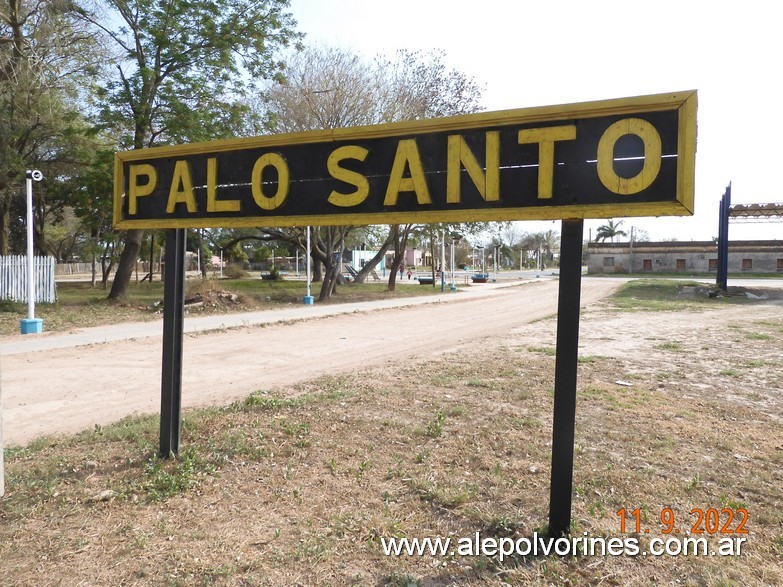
532 53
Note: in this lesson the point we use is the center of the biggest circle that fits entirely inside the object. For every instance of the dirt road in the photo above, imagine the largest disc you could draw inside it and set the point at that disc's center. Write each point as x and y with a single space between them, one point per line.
69 389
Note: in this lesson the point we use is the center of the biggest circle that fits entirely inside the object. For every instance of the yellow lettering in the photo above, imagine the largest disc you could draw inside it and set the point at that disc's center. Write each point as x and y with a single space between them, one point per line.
270 160
181 191
136 191
213 204
546 138
407 156
488 184
348 176
652 156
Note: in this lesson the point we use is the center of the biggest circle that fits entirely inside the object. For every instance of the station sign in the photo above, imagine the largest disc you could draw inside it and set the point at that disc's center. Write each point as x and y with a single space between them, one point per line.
612 158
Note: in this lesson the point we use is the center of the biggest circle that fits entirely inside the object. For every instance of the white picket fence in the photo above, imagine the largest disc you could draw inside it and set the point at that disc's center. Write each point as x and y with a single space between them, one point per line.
13 278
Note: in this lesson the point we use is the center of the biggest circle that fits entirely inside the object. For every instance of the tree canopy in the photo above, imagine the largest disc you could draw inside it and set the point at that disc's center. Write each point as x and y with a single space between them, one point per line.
84 78
182 72
47 58
610 230
329 87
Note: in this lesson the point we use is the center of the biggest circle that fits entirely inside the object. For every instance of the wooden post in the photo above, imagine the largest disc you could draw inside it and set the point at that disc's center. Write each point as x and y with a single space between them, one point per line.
561 485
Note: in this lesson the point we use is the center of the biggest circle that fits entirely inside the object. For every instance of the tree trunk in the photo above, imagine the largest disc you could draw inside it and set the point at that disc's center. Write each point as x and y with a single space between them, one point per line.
202 257
128 258
432 256
5 222
332 250
94 260
373 263
400 240
318 269
93 269
108 251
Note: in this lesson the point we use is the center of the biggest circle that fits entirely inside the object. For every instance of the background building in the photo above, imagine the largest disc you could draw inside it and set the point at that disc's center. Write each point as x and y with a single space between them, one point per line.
683 257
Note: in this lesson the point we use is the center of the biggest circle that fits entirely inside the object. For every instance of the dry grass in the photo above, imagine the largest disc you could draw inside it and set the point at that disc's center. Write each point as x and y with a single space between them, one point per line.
296 487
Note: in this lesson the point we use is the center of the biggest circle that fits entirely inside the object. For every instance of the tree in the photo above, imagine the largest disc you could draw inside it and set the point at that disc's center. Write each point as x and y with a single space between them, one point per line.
420 86
323 88
46 60
382 239
185 66
330 88
609 230
543 244
639 235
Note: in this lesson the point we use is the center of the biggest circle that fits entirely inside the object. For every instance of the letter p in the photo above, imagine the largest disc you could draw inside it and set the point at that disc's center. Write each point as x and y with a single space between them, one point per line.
136 191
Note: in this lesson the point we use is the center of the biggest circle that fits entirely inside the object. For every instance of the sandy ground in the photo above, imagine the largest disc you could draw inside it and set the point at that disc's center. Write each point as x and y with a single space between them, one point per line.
65 390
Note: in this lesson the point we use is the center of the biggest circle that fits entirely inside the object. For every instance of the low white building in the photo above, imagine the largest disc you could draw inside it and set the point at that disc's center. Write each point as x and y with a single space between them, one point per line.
683 257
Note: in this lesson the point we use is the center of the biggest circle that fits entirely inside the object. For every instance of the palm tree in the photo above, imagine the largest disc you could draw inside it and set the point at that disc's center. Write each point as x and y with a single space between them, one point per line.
609 231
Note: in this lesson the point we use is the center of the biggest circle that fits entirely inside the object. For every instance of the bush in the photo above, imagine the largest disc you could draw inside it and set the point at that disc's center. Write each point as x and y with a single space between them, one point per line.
272 275
235 272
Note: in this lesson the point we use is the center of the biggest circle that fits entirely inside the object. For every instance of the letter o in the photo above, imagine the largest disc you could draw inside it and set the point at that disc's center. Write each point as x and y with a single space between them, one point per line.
652 156
562 546
270 202
675 550
523 547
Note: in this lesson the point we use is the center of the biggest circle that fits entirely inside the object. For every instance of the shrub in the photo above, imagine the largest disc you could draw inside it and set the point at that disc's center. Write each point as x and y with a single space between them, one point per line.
235 272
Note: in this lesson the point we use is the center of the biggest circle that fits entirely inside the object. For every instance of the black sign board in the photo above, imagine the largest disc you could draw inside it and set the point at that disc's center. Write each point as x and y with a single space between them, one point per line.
614 158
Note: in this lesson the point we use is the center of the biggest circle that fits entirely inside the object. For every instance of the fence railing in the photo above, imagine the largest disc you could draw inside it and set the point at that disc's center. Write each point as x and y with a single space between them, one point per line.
13 278
62 269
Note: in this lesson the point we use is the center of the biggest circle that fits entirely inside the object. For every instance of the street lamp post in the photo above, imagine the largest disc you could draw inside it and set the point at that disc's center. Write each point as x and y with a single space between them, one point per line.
455 238
308 299
495 262
31 324
443 260
452 287
480 250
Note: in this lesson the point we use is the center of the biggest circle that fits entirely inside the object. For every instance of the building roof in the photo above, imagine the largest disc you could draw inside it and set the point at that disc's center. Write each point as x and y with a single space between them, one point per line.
756 212
663 246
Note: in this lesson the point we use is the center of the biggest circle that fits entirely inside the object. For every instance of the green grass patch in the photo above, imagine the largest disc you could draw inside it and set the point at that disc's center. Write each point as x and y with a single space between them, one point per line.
544 350
671 345
661 295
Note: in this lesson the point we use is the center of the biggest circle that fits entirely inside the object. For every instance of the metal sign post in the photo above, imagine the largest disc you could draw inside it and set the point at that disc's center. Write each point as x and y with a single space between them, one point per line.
723 240
173 322
570 287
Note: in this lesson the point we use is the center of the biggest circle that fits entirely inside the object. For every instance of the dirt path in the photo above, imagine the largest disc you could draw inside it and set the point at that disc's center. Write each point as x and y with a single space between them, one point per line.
67 390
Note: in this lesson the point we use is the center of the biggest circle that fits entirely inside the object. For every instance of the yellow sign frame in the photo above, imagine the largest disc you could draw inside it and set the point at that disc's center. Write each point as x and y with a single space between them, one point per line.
531 121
